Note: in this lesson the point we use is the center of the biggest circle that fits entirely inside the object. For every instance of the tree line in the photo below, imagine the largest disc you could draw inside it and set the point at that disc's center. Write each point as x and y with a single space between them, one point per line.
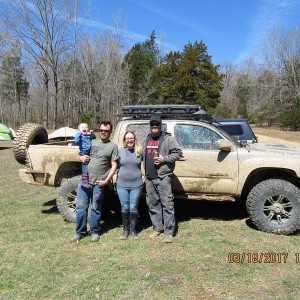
54 74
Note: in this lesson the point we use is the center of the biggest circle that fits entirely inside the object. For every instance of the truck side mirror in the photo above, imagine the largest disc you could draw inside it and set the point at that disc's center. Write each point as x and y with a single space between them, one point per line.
224 145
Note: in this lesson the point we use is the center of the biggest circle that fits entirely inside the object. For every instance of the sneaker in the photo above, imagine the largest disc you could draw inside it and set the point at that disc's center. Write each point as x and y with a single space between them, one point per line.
76 238
154 234
168 238
95 237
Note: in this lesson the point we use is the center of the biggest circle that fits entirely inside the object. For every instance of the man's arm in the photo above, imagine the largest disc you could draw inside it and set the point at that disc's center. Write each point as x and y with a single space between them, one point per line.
175 151
114 166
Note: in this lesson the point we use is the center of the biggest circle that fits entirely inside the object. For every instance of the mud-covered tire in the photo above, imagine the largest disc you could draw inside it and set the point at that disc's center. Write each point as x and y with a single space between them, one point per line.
66 199
28 134
274 206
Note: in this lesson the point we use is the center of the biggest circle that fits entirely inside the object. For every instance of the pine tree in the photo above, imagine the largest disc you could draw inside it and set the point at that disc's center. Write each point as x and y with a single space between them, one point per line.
142 59
189 77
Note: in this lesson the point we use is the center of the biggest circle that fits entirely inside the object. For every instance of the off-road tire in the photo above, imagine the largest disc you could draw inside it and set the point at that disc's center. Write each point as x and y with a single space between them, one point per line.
66 199
28 134
274 206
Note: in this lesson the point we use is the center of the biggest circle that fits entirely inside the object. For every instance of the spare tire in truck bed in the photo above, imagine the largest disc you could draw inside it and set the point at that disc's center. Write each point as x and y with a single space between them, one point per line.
28 134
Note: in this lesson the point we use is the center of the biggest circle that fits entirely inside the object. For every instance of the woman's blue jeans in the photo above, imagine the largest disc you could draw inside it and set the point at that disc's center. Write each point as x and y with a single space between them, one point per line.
85 196
129 198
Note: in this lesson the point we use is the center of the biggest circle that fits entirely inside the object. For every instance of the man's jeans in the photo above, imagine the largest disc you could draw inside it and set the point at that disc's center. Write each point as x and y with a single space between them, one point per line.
85 196
161 205
129 198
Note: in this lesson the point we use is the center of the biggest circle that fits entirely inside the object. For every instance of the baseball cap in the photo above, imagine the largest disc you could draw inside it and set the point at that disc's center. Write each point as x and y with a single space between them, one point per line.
155 118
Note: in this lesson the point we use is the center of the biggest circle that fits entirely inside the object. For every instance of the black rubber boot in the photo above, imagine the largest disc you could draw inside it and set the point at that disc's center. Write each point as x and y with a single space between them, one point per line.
125 222
133 221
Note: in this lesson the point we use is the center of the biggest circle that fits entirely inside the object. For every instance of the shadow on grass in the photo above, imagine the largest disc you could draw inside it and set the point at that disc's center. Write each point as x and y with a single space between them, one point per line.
52 210
191 209
184 211
208 210
218 210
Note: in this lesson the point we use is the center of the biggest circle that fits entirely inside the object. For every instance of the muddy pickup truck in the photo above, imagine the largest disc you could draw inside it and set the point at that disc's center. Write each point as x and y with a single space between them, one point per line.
214 166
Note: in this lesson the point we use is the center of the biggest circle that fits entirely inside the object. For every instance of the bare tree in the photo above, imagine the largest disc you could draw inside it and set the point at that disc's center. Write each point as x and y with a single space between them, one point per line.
282 57
42 27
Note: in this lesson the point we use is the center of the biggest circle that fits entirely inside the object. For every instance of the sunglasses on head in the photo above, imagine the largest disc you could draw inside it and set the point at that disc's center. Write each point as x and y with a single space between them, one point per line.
104 130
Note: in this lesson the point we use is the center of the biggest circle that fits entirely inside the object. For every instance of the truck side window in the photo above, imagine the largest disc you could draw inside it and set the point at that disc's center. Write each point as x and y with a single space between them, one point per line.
233 130
196 137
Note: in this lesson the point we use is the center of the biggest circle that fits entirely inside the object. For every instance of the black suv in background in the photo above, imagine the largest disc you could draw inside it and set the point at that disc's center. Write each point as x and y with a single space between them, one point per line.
237 128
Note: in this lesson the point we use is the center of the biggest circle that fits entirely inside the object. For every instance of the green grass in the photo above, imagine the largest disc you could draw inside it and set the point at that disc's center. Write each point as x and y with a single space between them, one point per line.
38 262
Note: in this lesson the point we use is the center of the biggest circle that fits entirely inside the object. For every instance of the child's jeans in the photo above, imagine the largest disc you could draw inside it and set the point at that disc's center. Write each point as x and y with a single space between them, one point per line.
84 171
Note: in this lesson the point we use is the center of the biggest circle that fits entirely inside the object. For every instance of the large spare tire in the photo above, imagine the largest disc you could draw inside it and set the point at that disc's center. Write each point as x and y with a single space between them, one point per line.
28 134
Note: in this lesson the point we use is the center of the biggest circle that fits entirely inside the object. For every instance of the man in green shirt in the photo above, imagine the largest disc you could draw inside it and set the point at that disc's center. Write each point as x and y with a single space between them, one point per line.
101 168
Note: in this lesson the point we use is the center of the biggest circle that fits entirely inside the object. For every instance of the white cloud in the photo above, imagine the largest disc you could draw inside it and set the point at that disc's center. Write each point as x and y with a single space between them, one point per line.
136 37
167 15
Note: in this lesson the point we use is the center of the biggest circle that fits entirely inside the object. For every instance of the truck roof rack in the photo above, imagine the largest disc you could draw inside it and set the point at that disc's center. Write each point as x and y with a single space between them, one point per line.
172 111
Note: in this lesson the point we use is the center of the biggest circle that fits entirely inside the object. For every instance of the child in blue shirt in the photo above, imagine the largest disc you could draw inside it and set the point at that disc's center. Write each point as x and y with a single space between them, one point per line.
84 138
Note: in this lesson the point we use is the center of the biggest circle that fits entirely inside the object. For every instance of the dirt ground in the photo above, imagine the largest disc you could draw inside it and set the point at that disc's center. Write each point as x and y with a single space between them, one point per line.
277 136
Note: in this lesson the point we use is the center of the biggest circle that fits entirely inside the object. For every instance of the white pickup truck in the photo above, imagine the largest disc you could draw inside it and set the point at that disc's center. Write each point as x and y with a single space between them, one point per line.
214 167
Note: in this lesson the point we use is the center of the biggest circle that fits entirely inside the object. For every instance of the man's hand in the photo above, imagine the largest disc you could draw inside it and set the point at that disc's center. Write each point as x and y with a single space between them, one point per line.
84 158
102 182
158 159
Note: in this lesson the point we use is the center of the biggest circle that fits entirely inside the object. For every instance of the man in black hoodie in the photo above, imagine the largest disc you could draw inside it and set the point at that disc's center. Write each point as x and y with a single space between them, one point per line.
160 153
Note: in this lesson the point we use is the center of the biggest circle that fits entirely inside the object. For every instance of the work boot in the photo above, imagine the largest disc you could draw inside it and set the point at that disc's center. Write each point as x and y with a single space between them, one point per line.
125 222
85 180
133 221
168 238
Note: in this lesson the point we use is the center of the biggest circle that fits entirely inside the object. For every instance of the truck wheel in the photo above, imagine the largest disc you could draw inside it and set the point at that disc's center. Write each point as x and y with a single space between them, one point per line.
66 199
28 134
273 206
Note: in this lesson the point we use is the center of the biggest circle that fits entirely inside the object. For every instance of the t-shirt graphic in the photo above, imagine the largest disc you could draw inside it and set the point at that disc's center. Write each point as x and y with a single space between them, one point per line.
152 148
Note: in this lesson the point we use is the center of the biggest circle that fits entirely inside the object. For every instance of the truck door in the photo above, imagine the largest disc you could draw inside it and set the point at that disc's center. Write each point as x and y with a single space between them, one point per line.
205 169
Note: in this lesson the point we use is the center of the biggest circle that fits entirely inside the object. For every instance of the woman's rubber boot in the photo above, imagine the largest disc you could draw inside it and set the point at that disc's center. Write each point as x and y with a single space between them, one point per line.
125 222
133 221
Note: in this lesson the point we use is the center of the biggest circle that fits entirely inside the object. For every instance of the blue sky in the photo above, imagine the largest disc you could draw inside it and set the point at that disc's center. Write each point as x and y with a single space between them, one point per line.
231 29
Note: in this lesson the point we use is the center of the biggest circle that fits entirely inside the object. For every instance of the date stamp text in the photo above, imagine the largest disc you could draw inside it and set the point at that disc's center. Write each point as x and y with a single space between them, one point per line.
263 257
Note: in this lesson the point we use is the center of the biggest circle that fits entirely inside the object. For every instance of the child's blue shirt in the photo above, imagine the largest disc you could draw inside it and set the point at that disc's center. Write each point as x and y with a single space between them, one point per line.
84 141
